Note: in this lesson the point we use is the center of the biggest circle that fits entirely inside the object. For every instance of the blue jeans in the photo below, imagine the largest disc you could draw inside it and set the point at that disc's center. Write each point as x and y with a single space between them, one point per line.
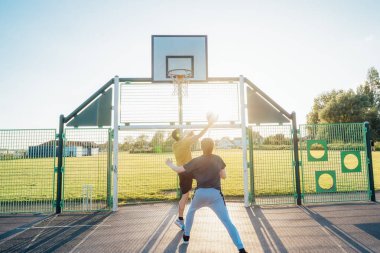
212 198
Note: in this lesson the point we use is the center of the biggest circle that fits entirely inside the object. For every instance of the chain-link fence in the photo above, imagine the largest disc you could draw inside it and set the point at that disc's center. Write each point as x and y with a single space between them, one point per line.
334 163
271 163
27 159
333 168
86 169
143 175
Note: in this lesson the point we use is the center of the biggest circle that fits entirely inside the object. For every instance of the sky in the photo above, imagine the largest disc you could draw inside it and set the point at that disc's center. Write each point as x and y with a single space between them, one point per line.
55 54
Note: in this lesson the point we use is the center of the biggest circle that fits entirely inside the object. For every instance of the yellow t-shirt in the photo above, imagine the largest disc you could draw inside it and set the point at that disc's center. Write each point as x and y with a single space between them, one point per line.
182 150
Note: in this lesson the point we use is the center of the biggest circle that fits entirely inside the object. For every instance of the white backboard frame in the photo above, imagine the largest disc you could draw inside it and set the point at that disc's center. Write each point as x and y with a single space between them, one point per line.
179 51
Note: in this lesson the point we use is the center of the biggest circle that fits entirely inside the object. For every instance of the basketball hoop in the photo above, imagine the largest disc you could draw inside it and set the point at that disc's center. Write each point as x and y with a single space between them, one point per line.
181 79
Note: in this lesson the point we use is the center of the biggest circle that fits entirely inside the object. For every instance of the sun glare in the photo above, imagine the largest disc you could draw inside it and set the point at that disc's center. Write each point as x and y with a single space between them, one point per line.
220 99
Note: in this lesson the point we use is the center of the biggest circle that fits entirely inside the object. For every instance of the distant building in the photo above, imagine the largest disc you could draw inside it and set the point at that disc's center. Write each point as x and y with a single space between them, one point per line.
71 149
6 154
224 143
3 151
237 142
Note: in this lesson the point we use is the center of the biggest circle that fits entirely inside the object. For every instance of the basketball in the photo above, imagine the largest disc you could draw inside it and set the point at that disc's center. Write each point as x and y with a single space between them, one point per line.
211 117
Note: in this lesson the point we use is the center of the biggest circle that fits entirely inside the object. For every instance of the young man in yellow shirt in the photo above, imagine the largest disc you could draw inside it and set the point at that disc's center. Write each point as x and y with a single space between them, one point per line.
182 153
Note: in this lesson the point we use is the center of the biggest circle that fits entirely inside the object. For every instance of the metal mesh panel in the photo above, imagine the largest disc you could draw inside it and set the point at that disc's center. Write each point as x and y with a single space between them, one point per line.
376 169
334 166
148 103
273 171
143 175
222 99
87 177
154 103
27 160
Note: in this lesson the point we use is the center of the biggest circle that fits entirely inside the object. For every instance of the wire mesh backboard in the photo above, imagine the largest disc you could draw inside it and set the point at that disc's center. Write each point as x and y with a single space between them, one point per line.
154 103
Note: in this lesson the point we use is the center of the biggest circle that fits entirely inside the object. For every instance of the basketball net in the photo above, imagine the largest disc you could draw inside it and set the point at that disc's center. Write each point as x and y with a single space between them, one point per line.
180 78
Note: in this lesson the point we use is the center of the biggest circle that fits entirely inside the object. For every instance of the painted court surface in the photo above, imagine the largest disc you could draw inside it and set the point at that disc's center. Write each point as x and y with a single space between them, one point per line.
353 227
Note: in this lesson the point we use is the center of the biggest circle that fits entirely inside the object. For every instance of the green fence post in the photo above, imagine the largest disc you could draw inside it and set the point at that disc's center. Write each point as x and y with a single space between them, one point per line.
369 162
296 159
109 169
252 183
60 160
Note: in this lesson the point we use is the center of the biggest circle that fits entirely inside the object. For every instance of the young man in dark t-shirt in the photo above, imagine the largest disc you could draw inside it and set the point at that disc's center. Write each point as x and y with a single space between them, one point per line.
182 152
207 171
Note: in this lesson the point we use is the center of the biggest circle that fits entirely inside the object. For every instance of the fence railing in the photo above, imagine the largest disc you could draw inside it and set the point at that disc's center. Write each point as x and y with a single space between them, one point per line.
27 162
334 161
86 169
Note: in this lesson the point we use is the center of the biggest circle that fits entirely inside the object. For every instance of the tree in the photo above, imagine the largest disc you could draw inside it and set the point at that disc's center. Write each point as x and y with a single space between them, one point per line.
319 103
371 87
256 137
158 139
141 142
168 143
350 106
277 139
346 107
157 142
127 144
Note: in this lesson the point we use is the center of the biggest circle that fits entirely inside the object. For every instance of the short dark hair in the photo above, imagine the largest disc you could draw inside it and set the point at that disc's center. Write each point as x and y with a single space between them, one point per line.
175 134
207 145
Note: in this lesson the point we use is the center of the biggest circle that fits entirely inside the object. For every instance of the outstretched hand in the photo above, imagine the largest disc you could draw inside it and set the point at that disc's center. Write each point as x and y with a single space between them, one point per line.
212 118
212 121
169 162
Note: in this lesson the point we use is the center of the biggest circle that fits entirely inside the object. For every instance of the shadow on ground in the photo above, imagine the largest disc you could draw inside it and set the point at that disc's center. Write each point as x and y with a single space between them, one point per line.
53 233
150 228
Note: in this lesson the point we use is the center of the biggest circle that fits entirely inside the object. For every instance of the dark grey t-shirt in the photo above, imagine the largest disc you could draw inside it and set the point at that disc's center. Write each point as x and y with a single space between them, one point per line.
206 170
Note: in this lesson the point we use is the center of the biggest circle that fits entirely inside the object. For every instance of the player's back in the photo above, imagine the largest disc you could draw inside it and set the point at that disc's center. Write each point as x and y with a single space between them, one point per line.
182 151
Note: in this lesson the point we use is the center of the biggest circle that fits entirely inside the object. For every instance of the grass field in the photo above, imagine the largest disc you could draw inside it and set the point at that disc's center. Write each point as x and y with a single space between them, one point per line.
146 177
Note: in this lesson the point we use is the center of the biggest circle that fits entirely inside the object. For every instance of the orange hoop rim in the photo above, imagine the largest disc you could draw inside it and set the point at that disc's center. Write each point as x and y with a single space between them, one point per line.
179 74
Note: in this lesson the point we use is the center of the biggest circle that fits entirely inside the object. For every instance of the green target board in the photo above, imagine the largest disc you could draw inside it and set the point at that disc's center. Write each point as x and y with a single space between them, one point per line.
325 181
350 161
317 150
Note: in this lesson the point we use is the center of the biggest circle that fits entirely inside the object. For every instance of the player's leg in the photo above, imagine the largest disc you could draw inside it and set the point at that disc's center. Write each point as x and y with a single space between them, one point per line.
185 184
199 200
219 207
181 209
182 203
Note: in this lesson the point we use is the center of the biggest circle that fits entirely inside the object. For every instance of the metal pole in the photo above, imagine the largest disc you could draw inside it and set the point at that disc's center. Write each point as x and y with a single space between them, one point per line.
180 103
109 169
251 172
60 162
115 142
296 159
244 138
180 123
369 162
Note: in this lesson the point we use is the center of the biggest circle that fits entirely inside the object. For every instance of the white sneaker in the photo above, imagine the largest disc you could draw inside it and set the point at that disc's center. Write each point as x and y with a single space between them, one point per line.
180 224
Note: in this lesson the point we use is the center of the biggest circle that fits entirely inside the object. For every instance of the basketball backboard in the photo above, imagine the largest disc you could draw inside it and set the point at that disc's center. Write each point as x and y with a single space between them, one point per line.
179 52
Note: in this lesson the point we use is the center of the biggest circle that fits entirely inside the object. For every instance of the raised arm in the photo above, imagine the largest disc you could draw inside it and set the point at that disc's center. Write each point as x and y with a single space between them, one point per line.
201 133
170 164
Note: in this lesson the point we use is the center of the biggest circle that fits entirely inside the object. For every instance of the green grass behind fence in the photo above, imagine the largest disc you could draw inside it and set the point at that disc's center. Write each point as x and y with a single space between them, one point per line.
141 177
